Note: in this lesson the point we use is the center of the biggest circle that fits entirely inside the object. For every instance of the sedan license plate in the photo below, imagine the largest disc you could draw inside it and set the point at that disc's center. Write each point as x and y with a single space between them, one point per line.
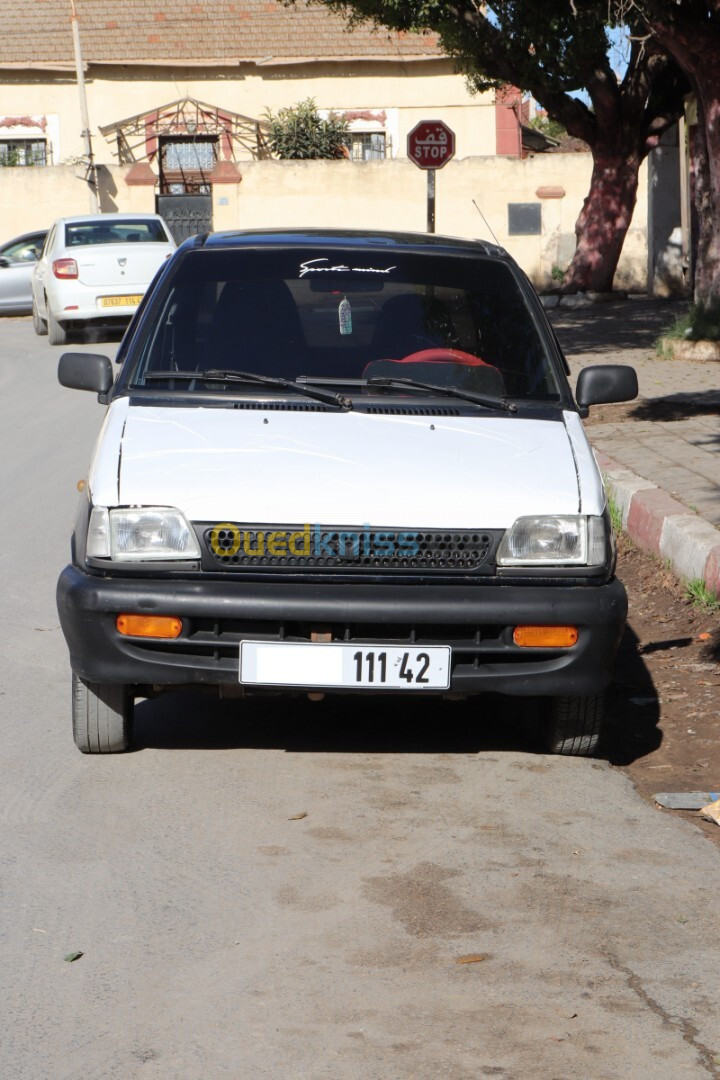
370 667
120 301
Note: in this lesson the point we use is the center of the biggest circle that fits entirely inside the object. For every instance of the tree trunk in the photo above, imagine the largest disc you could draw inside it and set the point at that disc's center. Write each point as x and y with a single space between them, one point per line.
706 151
694 43
603 222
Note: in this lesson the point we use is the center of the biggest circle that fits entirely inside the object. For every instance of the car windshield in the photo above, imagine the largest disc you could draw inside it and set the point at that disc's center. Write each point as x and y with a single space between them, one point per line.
345 318
115 232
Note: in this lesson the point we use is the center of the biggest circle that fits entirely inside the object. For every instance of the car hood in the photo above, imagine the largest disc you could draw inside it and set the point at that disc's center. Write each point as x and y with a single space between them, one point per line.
351 468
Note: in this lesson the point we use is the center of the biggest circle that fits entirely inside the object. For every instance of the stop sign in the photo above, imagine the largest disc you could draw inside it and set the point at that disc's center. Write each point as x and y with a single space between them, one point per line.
431 144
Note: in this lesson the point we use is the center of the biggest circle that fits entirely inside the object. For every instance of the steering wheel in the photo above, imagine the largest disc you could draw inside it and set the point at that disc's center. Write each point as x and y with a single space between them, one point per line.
443 356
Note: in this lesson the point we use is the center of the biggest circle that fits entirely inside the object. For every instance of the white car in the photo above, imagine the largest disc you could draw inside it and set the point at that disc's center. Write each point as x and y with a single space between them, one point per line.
94 269
337 462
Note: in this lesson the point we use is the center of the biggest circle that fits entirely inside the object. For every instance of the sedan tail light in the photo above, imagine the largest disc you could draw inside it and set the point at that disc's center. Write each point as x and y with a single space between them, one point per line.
65 268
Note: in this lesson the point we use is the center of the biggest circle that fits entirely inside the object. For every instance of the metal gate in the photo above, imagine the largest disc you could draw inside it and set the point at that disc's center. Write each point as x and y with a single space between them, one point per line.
186 215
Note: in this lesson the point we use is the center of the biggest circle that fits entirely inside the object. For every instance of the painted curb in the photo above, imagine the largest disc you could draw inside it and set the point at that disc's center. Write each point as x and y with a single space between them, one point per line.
660 524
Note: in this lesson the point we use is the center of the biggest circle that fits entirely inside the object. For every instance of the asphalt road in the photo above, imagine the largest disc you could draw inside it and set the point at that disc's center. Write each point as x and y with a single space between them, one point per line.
223 935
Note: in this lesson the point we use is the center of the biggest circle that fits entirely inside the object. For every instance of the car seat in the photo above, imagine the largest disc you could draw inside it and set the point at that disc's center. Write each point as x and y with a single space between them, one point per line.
256 327
408 323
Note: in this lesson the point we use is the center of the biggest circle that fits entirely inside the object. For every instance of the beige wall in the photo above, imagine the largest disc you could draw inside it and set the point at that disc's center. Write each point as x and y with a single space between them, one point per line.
370 195
393 195
408 92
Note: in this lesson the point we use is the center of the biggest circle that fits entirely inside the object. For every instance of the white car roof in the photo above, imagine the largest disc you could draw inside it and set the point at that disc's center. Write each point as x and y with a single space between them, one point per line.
81 219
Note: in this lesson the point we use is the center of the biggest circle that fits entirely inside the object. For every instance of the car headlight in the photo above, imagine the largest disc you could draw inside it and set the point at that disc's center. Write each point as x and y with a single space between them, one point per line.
558 540
148 532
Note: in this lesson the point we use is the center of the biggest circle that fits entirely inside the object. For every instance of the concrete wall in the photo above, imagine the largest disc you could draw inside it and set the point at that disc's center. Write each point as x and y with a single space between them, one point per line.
370 195
392 195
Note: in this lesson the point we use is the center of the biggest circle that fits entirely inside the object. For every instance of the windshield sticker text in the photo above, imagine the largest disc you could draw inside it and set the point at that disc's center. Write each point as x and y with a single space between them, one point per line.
308 267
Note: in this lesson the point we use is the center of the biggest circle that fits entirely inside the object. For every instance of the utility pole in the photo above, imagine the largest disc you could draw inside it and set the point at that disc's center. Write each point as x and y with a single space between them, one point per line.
91 172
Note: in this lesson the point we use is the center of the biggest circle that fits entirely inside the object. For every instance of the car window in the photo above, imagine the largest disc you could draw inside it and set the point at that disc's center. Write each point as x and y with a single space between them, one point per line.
27 250
84 234
349 314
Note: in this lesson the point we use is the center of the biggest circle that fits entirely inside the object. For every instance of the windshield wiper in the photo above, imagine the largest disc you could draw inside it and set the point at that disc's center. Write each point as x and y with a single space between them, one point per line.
489 401
251 377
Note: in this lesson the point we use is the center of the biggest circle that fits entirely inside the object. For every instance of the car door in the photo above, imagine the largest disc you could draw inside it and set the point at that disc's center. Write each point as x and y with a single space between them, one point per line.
17 262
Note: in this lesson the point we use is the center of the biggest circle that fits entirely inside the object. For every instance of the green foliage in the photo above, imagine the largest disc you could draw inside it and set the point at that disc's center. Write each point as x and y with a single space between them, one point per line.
699 323
299 132
557 273
547 126
551 49
701 596
615 515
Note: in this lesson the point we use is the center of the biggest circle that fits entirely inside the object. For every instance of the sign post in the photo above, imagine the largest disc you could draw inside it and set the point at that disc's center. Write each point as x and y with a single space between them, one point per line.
430 145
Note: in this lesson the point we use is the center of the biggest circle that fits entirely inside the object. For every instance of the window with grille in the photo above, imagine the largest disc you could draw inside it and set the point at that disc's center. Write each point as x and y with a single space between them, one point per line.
366 146
23 152
191 155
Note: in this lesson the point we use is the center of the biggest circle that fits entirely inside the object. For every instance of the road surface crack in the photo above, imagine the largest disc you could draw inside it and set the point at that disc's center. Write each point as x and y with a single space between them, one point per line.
687 1029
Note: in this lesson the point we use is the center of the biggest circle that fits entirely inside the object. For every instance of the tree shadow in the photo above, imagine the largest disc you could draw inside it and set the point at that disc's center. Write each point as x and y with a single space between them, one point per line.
620 324
679 407
711 651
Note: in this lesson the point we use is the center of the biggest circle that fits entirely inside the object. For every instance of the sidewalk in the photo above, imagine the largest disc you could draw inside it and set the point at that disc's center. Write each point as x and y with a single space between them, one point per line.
661 453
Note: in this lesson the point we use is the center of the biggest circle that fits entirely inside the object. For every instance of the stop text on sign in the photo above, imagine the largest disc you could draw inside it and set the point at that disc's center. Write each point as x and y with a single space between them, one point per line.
431 144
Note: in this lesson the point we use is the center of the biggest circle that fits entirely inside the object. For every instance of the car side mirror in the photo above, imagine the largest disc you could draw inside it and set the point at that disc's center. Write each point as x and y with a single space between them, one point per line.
4 262
605 384
85 371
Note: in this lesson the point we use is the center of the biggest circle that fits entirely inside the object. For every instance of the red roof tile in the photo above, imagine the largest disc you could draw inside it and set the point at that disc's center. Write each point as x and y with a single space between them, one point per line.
214 32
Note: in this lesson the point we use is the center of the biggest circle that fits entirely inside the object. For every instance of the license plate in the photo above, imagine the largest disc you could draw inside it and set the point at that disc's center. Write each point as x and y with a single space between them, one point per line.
370 667
120 301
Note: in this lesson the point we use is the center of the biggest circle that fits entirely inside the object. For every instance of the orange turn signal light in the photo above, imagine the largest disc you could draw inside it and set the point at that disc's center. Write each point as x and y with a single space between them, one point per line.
152 626
543 637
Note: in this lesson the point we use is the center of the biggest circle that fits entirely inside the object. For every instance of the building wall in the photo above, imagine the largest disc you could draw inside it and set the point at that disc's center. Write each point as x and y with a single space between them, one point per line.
408 92
393 195
368 195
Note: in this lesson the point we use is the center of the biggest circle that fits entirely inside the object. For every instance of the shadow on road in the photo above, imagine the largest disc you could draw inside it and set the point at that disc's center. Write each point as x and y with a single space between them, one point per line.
351 724
96 335
622 324
632 728
338 724
678 407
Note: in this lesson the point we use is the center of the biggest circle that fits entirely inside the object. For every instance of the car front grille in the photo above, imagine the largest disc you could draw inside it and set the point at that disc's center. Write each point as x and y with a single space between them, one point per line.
342 549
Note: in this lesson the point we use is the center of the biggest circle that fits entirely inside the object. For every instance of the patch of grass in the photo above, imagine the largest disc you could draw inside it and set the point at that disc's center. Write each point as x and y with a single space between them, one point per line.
701 596
615 514
697 324
557 273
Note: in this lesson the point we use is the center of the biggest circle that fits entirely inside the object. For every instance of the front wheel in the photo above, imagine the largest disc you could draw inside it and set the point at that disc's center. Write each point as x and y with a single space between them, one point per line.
573 725
102 717
39 324
57 332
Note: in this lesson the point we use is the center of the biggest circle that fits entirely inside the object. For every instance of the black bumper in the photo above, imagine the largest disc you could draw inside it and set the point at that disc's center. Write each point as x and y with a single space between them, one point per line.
477 622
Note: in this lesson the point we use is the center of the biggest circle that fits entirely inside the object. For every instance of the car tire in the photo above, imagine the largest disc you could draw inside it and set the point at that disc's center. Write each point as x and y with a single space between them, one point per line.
57 332
102 716
573 725
40 325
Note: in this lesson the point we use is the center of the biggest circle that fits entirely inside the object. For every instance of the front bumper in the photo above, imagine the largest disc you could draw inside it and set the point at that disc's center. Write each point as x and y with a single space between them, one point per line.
476 621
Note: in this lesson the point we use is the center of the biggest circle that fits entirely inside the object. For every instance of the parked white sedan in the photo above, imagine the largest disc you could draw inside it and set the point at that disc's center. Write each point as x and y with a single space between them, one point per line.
94 270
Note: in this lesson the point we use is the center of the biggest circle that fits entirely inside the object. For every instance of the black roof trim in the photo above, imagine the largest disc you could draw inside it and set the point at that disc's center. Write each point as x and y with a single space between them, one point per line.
343 238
